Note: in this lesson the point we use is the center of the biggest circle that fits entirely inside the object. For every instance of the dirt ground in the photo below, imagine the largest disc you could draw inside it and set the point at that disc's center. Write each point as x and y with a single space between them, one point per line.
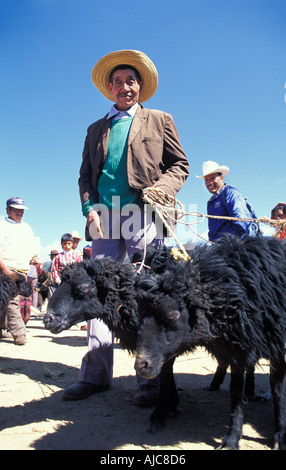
34 416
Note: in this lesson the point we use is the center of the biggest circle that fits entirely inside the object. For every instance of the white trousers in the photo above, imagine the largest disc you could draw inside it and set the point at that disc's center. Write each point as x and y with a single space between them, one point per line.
97 364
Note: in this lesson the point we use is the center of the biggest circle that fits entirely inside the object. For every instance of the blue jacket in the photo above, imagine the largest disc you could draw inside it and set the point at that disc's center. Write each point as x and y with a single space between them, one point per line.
228 202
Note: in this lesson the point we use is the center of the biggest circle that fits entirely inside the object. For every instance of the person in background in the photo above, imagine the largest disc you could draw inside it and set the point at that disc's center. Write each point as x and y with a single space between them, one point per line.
279 213
17 246
87 252
53 254
35 270
68 255
129 149
225 201
76 240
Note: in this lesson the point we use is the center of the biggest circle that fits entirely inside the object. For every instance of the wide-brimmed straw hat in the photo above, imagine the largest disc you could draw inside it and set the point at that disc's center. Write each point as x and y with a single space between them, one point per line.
101 72
211 167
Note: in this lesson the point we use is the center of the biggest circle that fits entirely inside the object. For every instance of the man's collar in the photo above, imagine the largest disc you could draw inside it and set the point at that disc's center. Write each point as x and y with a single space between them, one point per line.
218 192
12 221
114 112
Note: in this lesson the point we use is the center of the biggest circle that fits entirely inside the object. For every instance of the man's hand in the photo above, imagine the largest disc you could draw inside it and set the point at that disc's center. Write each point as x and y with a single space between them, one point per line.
93 216
4 269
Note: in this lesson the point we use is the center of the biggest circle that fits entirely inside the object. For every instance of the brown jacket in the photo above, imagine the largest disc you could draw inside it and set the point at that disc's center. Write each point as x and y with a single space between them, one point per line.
154 154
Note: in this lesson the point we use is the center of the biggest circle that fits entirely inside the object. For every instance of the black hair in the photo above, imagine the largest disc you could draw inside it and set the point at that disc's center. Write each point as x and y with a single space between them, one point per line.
66 237
123 67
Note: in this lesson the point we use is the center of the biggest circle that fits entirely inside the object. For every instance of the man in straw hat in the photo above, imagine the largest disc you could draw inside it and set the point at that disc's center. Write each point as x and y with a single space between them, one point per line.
225 201
131 148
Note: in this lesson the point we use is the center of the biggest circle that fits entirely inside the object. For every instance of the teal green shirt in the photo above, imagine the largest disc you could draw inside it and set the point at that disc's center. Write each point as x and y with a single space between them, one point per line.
114 180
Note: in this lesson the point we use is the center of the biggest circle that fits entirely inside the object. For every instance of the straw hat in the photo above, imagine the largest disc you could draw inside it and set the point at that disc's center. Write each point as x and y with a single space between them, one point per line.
210 167
147 70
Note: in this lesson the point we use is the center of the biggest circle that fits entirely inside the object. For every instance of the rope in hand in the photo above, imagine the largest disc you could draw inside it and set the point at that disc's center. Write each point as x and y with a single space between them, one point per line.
165 206
168 207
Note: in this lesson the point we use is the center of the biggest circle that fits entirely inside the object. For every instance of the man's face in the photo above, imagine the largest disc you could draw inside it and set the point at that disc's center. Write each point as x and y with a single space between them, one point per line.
15 214
125 88
214 182
75 242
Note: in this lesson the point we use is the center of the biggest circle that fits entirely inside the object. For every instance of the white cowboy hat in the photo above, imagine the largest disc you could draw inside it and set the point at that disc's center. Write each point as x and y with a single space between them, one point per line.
210 167
101 72
75 234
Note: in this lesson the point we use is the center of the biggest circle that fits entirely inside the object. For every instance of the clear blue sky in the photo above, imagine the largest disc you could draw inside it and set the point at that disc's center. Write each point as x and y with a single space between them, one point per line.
222 75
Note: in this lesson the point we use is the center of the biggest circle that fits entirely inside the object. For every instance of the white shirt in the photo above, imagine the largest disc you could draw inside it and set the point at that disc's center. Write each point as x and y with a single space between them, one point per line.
115 114
17 244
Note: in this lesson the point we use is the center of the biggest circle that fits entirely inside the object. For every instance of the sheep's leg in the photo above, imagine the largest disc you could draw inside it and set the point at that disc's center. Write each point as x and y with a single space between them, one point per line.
168 398
218 377
278 388
249 382
232 437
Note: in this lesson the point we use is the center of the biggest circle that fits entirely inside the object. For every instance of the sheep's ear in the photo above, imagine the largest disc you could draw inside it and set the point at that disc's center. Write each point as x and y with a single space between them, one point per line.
148 283
84 288
110 287
17 277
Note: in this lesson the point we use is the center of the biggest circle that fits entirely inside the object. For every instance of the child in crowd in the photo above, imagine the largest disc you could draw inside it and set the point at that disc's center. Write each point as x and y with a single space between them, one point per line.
67 256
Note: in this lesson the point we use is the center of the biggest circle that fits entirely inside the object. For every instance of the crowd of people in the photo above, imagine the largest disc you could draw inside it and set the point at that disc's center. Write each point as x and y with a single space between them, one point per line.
127 150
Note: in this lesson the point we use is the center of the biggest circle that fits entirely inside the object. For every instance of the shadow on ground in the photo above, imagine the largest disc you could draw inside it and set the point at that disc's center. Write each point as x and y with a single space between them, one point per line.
109 420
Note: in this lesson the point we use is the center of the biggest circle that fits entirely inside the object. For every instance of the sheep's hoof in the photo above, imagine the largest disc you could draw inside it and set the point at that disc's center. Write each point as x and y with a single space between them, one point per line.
227 444
155 427
279 442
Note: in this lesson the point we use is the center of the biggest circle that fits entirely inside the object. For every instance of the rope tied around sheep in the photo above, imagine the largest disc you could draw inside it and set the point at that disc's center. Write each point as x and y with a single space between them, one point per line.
168 207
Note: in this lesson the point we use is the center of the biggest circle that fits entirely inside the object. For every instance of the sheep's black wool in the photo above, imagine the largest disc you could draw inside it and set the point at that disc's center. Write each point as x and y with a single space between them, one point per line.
107 290
104 289
11 286
231 299
90 289
45 281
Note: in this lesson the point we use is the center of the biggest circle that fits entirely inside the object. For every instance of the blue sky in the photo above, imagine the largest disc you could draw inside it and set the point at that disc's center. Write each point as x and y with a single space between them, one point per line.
222 75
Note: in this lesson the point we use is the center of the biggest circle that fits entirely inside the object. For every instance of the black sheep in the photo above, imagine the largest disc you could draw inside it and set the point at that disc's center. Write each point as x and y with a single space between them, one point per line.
96 289
231 299
106 289
44 284
11 286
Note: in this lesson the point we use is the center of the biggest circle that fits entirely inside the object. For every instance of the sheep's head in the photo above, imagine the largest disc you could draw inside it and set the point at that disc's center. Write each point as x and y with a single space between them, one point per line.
174 319
21 285
162 336
73 299
92 289
165 327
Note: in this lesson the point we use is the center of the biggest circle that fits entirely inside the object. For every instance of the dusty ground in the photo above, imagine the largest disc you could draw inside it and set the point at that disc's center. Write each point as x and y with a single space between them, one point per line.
34 416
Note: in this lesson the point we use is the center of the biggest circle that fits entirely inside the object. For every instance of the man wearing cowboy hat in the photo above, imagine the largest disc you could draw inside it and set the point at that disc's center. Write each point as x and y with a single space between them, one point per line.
17 246
76 240
225 201
131 148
